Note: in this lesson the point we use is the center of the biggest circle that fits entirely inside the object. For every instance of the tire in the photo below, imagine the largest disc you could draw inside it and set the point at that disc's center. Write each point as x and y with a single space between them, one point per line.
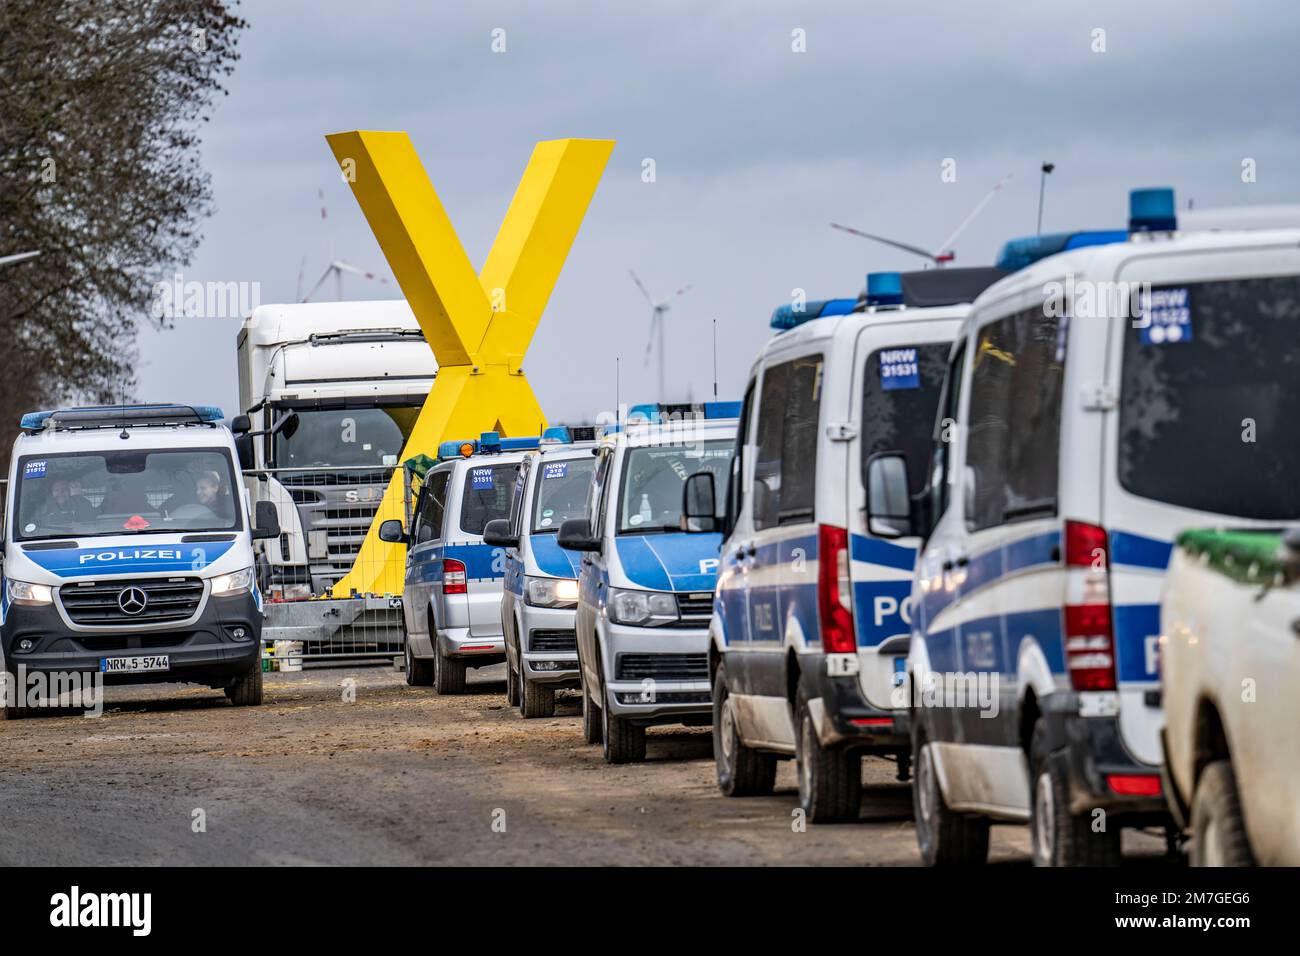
513 697
448 673
623 741
1219 835
1057 836
742 771
535 700
944 838
830 781
247 690
419 673
591 732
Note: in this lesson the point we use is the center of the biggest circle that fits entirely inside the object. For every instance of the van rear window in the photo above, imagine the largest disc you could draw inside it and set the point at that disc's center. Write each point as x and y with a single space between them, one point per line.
899 401
488 489
1210 394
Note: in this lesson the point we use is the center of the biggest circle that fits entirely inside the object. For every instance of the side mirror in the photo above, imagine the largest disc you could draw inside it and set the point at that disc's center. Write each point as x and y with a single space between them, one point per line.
575 535
286 425
497 533
241 424
699 503
889 506
267 521
391 531
244 451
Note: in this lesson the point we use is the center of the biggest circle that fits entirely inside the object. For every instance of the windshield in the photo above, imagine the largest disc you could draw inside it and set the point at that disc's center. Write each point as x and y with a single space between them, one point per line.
345 437
118 492
561 492
651 497
899 401
488 489
1210 395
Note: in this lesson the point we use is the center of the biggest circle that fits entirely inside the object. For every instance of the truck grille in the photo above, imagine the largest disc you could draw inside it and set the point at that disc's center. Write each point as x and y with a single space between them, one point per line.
98 602
542 640
695 608
667 667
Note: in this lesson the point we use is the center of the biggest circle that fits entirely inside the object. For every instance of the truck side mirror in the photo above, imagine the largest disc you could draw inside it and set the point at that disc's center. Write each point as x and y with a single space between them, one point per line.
244 451
575 535
699 503
286 425
497 533
241 424
391 531
890 512
267 523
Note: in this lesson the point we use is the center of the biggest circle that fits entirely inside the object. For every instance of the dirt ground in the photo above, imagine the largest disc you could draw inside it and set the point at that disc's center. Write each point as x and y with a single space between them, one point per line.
176 775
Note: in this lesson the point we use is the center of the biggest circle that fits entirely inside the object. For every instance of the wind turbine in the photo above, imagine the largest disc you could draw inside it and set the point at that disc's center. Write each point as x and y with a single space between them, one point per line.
337 267
945 253
658 308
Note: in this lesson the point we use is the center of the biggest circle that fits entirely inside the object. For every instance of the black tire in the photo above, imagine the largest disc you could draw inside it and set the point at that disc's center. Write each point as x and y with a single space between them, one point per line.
622 741
419 672
535 700
830 781
591 733
1219 835
1057 836
742 771
944 838
247 690
513 696
448 673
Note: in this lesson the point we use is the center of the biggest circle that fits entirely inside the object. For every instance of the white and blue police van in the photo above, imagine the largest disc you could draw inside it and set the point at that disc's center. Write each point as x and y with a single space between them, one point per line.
1097 401
645 586
128 552
451 596
811 619
541 578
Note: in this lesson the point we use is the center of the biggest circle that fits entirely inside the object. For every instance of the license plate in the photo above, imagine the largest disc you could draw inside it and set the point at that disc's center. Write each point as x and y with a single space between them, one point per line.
134 665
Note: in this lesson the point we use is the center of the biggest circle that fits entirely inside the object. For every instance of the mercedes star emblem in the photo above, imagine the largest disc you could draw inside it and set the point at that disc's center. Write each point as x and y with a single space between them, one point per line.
132 600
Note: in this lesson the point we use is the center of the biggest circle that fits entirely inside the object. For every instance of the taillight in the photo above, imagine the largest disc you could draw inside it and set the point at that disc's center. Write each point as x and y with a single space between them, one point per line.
1134 784
1089 636
835 591
453 576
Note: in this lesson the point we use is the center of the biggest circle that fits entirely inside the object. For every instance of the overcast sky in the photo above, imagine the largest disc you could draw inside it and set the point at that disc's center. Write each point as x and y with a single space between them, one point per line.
757 149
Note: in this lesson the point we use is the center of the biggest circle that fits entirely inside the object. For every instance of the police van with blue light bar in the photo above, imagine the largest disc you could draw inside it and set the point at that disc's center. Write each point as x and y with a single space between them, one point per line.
541 578
128 551
451 599
811 620
1101 399
645 587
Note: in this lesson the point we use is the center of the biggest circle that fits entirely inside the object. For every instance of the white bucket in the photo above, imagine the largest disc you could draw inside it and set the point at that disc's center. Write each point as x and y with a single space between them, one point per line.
289 654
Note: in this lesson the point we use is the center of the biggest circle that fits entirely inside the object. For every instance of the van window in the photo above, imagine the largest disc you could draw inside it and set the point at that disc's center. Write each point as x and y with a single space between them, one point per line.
433 503
1207 413
785 472
486 496
561 492
900 397
941 475
735 483
1013 443
650 492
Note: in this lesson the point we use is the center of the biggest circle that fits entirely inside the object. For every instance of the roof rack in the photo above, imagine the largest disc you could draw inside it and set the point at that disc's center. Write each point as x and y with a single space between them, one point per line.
120 416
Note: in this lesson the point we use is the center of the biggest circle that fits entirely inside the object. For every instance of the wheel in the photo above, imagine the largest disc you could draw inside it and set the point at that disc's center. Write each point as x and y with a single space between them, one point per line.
535 700
419 672
943 837
1218 827
591 730
513 697
1057 836
830 781
624 741
247 690
448 673
742 771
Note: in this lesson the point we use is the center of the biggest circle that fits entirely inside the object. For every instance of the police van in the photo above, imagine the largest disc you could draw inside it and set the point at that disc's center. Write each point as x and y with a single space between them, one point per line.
541 578
1097 401
645 587
451 598
810 624
128 551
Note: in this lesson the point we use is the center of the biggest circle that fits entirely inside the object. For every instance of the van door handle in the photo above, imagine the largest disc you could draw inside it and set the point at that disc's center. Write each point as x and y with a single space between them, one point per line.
752 549
959 562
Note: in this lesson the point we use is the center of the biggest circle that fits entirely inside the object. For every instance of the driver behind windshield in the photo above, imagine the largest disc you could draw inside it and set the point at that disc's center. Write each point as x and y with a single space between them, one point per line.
66 506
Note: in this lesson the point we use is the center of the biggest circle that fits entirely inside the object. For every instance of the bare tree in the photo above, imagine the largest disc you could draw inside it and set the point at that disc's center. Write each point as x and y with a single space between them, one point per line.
101 108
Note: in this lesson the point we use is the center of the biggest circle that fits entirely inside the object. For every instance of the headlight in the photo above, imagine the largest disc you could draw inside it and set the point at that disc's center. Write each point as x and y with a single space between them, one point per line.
551 592
20 592
642 608
236 582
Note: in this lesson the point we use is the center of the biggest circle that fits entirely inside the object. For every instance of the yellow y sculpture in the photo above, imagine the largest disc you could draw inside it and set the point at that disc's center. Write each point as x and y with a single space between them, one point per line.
478 325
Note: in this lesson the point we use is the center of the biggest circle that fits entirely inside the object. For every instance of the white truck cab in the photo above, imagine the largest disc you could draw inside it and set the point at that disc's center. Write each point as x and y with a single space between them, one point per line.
1101 400
645 586
128 552
812 618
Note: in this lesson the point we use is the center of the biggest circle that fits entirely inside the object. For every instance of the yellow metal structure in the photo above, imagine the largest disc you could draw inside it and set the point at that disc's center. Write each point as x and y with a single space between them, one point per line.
479 325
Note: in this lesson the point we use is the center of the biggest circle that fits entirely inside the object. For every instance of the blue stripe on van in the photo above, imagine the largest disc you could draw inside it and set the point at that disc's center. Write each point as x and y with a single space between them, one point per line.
552 559
875 551
675 561
1136 628
1139 551
482 561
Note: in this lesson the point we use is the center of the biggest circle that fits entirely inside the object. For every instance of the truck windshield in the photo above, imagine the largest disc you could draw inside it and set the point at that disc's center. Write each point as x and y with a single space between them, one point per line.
123 492
345 437
561 492
1210 393
651 499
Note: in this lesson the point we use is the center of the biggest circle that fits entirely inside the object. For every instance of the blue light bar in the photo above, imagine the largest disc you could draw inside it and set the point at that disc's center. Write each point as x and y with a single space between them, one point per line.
34 421
452 449
884 288
489 441
784 317
556 434
92 415
518 444
1152 210
1019 253
714 410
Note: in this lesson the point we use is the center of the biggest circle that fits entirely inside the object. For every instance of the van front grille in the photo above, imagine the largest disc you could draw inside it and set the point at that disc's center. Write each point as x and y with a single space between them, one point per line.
102 602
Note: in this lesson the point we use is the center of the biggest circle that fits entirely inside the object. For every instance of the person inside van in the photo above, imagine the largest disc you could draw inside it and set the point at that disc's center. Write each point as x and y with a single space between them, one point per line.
66 508
211 495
